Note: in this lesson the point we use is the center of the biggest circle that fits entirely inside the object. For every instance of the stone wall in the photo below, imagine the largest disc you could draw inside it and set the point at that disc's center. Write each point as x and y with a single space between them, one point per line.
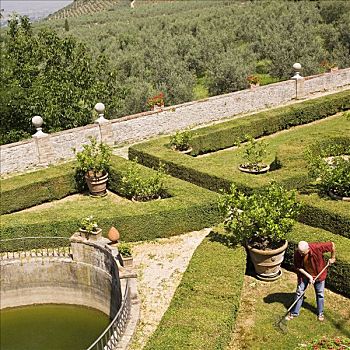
90 279
59 146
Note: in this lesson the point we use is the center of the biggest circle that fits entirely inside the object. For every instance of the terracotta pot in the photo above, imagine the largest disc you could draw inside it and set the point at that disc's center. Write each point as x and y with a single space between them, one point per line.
267 263
113 234
97 185
339 198
92 236
157 107
187 151
127 261
264 169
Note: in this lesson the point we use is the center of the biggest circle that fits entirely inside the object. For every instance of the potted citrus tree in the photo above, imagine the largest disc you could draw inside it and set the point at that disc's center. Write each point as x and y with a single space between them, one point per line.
254 153
89 228
93 163
261 222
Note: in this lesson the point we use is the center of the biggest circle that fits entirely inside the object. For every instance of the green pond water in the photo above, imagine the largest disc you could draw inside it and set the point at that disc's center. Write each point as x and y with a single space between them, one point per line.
50 327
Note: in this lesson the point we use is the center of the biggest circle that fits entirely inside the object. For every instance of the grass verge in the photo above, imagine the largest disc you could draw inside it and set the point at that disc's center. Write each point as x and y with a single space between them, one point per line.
203 310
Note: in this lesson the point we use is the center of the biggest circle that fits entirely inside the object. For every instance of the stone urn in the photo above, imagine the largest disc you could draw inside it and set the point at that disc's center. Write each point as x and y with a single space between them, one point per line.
267 263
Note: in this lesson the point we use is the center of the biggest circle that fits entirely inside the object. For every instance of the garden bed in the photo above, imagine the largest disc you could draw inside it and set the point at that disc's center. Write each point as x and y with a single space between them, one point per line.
218 170
188 208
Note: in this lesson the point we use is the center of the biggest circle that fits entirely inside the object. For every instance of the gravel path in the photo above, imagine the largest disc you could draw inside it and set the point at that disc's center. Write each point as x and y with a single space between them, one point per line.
160 265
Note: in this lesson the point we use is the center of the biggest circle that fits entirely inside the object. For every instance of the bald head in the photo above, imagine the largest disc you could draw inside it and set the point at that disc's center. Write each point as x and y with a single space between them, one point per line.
303 247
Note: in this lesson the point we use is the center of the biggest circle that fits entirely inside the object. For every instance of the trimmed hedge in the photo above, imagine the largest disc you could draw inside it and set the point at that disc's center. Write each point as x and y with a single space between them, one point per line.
27 190
323 212
231 133
188 208
203 311
338 278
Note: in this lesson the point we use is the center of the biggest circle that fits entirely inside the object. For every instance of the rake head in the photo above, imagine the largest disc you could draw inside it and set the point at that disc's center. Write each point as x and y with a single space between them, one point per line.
281 324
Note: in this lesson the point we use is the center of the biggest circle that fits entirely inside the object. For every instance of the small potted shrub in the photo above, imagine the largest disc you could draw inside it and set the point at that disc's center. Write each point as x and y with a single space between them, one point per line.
141 189
254 152
93 163
253 81
89 228
329 166
125 254
180 141
156 102
261 222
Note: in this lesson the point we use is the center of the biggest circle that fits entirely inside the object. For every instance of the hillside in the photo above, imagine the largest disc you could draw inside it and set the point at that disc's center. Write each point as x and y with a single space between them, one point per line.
186 50
86 7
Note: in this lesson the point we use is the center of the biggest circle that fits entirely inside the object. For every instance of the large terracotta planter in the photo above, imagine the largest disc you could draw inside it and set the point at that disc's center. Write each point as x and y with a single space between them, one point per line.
267 263
97 185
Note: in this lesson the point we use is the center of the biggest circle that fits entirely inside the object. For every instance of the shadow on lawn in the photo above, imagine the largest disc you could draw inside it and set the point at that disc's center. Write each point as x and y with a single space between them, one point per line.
287 299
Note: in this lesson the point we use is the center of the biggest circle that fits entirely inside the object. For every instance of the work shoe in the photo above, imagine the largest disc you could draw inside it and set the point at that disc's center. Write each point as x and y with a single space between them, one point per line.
289 317
320 317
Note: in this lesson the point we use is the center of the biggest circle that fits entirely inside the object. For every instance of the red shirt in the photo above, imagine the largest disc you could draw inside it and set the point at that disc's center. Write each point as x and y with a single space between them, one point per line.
316 258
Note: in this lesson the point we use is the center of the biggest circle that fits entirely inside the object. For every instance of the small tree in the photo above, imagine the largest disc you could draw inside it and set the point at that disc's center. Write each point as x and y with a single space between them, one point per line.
180 141
330 168
254 152
139 188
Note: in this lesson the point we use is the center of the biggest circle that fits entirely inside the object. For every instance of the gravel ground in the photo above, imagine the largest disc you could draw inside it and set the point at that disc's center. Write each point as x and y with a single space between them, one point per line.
160 265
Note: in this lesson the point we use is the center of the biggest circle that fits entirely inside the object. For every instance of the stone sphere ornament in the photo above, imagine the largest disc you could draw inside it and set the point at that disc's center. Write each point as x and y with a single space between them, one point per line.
113 235
297 66
100 107
37 121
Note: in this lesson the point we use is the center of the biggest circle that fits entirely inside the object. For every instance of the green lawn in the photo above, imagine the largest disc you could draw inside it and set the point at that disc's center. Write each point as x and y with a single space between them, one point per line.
264 303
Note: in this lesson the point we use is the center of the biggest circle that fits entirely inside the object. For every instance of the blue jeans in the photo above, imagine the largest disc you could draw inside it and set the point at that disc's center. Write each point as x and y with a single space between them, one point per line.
319 290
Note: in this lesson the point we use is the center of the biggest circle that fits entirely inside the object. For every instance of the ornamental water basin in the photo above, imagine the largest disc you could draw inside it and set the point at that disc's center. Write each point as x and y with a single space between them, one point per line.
54 327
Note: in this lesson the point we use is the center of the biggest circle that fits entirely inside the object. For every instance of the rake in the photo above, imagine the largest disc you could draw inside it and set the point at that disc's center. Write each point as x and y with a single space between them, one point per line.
281 323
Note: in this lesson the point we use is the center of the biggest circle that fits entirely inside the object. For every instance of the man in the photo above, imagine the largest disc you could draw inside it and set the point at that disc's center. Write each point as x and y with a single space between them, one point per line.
309 262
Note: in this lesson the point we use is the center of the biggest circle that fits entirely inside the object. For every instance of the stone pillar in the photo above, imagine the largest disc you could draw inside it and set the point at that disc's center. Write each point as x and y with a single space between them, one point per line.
106 133
42 142
299 82
45 151
105 126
